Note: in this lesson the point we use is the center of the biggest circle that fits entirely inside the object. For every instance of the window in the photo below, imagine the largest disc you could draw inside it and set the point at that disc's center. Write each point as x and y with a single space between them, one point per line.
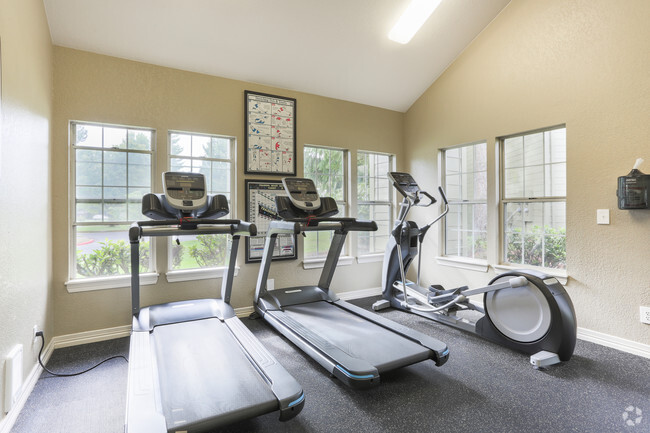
211 155
534 198
326 167
111 171
465 184
374 200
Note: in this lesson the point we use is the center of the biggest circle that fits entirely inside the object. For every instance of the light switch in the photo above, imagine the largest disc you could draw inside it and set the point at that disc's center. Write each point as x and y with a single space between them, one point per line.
602 216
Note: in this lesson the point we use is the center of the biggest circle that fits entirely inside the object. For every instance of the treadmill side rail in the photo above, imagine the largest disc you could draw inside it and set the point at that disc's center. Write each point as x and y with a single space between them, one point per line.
439 349
142 405
287 390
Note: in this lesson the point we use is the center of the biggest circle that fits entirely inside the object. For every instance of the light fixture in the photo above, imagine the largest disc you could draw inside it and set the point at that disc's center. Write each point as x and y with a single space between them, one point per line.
412 19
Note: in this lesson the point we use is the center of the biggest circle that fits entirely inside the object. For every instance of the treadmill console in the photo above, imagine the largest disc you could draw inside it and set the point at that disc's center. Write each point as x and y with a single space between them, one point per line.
404 183
184 191
302 192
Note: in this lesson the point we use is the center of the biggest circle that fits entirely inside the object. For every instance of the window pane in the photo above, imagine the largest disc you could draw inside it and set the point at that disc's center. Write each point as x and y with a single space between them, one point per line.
180 164
105 251
513 149
88 167
86 212
534 149
139 139
199 252
220 148
201 146
139 169
181 144
220 178
114 168
514 182
88 135
115 138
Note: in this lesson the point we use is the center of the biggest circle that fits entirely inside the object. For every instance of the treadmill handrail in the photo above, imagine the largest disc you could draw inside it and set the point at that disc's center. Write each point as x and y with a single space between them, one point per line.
201 227
296 226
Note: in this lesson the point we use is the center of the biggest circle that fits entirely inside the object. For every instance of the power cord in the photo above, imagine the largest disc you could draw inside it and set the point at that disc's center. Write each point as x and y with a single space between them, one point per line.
40 334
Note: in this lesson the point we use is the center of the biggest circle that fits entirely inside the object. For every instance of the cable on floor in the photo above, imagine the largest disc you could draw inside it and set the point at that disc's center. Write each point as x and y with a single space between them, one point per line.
40 334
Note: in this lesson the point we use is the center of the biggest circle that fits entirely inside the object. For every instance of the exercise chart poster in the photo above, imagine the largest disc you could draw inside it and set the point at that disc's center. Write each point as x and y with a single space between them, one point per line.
270 134
261 210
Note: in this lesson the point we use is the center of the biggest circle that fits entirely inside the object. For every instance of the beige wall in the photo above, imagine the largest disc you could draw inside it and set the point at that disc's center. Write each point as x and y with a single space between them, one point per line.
99 88
584 63
25 220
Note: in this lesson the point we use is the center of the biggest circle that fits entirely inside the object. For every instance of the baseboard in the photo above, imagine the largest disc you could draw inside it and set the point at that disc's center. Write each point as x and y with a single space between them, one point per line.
363 293
618 343
91 336
7 423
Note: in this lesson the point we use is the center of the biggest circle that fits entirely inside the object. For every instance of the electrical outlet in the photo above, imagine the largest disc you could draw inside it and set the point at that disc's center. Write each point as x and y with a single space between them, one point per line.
645 315
34 331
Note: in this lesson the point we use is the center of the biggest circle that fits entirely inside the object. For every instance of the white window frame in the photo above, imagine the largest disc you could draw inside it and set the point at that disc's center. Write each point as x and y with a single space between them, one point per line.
376 256
75 284
343 205
201 273
473 262
504 264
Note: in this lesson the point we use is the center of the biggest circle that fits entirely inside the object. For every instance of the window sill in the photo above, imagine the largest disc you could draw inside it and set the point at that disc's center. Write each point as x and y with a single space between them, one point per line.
464 263
103 283
561 276
320 262
197 274
371 258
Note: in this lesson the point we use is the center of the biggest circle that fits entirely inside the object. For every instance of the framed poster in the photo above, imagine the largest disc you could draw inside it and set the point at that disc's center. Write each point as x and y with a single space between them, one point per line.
261 210
270 137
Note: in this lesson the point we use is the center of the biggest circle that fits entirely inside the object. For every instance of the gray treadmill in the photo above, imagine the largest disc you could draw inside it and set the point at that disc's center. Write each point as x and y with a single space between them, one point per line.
193 365
353 344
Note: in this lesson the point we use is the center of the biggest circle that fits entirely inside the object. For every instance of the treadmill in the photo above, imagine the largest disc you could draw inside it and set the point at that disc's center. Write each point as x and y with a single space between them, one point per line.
353 344
193 364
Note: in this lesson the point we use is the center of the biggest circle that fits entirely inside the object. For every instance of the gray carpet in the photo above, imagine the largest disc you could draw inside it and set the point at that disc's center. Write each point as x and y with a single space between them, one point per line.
482 388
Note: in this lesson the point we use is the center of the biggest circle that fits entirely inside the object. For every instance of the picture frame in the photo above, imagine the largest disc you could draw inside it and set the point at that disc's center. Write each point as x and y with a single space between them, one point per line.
261 210
270 136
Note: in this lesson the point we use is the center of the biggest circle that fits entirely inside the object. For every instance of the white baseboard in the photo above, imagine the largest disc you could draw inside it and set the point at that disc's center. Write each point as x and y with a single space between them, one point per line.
618 343
363 293
91 336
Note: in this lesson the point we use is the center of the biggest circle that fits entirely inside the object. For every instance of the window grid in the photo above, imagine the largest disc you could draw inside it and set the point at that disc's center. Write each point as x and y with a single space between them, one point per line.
465 184
210 155
326 167
106 201
534 203
374 200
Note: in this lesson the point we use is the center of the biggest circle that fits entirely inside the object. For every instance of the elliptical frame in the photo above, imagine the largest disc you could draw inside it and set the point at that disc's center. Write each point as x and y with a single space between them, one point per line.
526 310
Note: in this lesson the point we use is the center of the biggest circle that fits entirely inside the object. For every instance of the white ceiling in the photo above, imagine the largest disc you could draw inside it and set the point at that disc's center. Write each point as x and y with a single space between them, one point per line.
333 48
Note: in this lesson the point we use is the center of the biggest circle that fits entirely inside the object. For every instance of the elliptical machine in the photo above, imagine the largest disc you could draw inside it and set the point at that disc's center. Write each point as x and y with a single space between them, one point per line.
528 311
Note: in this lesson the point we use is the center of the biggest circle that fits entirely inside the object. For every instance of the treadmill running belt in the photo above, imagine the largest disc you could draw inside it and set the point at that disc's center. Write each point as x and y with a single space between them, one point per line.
206 380
357 337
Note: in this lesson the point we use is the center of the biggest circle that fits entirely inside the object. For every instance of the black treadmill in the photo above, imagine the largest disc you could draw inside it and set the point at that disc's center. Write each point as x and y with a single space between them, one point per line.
353 344
193 365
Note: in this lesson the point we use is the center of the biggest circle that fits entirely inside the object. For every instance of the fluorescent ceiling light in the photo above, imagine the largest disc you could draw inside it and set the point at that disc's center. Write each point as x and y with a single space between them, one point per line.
412 19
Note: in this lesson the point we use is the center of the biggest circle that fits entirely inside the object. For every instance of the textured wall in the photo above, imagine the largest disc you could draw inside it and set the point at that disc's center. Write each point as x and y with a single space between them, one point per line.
98 88
542 63
25 219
